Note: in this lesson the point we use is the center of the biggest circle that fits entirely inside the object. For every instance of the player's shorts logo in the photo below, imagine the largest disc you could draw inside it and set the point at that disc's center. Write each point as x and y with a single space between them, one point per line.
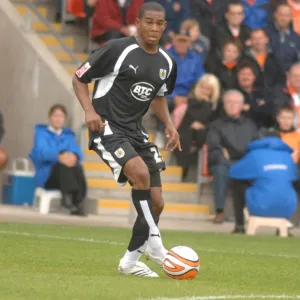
142 91
120 153
162 74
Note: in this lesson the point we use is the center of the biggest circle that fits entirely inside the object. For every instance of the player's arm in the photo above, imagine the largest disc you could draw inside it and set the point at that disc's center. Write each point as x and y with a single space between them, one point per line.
99 64
92 119
161 110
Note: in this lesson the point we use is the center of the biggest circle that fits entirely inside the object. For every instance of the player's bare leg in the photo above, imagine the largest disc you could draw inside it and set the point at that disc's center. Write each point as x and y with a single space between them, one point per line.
145 227
157 206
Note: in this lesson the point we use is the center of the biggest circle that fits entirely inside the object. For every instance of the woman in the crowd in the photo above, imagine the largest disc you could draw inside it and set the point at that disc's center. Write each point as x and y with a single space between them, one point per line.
200 110
56 157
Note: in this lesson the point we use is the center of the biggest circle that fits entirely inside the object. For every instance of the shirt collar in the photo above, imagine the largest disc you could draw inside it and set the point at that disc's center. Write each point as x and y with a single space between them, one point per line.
56 131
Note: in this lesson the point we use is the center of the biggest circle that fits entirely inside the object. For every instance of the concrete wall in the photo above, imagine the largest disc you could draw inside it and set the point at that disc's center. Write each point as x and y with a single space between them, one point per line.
31 80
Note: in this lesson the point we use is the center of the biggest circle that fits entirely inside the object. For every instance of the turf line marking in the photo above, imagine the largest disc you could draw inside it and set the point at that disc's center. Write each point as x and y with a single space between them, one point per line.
229 297
59 237
107 242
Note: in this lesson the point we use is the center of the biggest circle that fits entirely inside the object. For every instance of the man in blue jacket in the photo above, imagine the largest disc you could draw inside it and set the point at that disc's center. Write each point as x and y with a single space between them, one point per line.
271 168
283 40
256 13
189 70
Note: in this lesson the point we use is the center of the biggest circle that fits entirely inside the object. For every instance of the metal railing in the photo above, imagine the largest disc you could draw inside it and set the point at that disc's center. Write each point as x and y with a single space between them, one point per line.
34 8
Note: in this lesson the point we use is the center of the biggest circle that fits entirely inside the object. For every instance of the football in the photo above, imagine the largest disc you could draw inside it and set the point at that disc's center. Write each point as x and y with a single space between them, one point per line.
181 263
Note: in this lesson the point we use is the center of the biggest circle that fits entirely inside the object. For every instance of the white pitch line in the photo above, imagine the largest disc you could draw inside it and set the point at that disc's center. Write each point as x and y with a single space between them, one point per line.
229 297
107 242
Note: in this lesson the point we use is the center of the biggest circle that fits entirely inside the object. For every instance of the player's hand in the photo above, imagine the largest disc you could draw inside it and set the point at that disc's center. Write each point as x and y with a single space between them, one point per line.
93 121
173 138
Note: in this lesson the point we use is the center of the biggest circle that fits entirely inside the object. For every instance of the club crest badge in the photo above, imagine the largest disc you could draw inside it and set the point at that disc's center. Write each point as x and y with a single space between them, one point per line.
120 153
162 74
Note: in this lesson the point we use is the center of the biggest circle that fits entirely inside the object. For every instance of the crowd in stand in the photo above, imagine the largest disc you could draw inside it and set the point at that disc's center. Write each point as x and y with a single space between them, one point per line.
237 91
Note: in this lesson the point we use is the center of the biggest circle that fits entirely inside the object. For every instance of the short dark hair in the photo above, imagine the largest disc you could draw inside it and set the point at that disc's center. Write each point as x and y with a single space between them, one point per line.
247 65
234 42
259 29
151 6
232 3
57 107
286 108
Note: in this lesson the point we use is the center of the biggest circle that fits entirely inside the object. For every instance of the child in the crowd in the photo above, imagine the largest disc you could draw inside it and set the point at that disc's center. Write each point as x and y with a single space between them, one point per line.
225 67
199 43
288 134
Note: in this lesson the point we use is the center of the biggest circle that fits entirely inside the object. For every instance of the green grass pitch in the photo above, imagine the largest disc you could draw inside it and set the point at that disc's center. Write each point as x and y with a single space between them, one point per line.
41 262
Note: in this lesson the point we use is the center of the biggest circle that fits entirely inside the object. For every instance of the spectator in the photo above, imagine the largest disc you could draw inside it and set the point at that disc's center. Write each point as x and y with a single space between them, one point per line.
269 71
200 110
232 28
256 13
270 166
189 70
208 13
284 42
114 19
295 5
3 154
224 66
288 134
176 12
56 157
258 100
290 94
200 43
227 141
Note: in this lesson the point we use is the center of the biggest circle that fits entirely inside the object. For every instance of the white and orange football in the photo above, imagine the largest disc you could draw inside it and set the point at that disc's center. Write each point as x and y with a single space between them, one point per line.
181 263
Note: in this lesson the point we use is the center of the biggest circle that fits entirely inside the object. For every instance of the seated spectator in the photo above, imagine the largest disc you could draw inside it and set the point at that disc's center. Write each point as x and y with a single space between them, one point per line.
3 154
295 5
269 71
200 44
208 13
270 166
290 94
114 19
56 157
232 28
199 112
224 66
227 141
189 70
258 100
256 12
284 41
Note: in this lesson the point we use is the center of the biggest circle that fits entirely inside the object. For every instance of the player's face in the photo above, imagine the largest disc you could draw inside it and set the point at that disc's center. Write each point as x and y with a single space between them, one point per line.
57 119
151 26
285 120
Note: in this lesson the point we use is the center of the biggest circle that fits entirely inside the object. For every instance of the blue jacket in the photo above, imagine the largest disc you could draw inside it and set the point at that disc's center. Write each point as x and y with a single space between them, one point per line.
285 46
47 146
256 15
189 70
270 166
